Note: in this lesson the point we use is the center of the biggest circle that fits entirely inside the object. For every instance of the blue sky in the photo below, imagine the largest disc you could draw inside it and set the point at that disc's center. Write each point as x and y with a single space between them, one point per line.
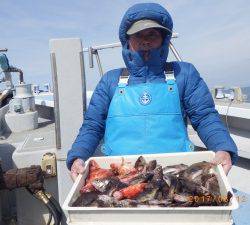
213 35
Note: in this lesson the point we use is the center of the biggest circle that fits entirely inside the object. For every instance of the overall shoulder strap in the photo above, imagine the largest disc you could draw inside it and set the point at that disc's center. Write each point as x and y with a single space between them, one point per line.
169 71
123 80
124 72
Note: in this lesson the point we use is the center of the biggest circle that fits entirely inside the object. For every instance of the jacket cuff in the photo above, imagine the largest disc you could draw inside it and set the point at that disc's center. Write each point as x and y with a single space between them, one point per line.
74 154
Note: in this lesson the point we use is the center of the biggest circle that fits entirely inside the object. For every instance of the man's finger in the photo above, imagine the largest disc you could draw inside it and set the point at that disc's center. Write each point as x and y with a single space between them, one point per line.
73 175
79 169
219 157
216 161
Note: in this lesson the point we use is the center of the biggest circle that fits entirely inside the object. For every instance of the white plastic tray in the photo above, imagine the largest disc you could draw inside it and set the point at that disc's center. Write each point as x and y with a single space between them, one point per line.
164 215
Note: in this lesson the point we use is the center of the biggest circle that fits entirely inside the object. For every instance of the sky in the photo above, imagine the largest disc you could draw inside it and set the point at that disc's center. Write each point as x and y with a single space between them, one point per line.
213 35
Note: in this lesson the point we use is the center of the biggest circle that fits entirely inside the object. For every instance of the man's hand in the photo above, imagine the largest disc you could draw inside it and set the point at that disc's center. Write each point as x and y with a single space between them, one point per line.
77 168
223 158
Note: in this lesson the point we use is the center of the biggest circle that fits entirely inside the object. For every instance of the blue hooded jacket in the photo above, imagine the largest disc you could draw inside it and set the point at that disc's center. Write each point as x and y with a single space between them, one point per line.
196 101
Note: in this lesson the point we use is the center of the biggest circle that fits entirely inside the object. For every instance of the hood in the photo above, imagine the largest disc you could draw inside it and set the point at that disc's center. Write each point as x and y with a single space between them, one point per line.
134 60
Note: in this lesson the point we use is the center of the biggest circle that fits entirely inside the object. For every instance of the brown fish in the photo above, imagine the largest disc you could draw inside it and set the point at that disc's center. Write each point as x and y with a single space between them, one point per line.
140 163
107 184
197 169
85 199
141 178
175 169
212 186
126 203
148 194
151 165
106 201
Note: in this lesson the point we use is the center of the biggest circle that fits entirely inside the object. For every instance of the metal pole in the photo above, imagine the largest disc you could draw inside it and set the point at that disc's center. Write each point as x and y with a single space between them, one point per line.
84 90
99 63
174 51
3 49
56 100
94 50
101 47
91 62
114 45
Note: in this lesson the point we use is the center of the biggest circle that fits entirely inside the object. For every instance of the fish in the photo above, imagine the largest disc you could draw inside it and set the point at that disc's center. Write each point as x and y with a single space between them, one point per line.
128 178
175 169
123 169
158 177
168 178
159 187
197 169
182 198
212 186
165 190
149 193
85 199
140 164
151 165
191 187
149 184
106 201
130 192
95 172
159 195
175 186
141 178
108 184
126 203
101 184
115 185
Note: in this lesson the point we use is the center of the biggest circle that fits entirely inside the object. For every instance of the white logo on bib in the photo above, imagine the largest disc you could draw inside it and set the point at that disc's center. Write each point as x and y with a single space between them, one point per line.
145 98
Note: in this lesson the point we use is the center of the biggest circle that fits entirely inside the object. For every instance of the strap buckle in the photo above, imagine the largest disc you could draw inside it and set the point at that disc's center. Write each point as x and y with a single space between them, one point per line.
169 75
123 80
169 71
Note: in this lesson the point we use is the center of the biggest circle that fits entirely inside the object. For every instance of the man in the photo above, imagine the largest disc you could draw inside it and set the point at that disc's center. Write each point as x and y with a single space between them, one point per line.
144 109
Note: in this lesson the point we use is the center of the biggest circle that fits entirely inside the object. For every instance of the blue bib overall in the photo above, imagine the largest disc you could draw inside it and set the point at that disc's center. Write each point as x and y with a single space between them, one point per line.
145 118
